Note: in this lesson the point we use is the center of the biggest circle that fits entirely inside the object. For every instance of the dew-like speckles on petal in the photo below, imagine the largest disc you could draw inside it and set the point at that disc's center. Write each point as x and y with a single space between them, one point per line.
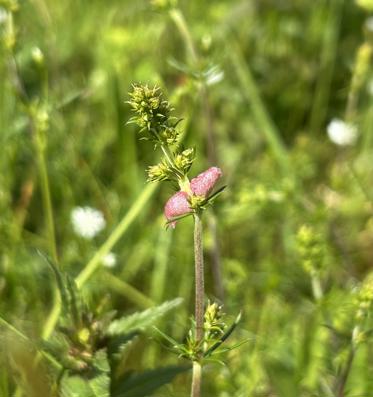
202 184
177 205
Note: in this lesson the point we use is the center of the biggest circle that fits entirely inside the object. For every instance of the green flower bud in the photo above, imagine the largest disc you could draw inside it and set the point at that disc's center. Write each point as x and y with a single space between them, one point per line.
364 298
213 324
159 172
153 114
184 160
311 249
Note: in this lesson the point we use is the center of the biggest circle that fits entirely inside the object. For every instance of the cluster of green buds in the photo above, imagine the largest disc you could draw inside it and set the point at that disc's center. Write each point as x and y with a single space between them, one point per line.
163 171
214 325
364 298
153 116
311 250
216 332
7 29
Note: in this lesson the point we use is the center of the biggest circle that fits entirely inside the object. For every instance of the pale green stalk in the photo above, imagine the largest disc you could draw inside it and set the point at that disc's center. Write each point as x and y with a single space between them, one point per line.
179 20
40 143
125 289
316 287
160 264
359 75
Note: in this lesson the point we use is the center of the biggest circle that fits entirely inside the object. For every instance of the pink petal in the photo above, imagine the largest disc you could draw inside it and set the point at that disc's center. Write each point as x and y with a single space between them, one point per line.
202 184
177 205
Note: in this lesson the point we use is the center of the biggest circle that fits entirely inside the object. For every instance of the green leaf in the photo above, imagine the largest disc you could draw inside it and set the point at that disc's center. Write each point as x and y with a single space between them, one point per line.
95 386
224 337
59 279
71 298
144 383
141 320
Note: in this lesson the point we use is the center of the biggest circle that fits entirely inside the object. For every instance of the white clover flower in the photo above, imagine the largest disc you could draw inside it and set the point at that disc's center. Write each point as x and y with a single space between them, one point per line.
109 260
342 133
87 222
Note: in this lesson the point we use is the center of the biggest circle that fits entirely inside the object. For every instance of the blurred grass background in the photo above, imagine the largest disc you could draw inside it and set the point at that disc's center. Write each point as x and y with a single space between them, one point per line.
257 83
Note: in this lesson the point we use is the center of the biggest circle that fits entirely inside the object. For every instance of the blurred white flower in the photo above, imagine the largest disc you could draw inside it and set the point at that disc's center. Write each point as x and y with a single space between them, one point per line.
342 133
369 24
87 222
214 75
109 260
3 15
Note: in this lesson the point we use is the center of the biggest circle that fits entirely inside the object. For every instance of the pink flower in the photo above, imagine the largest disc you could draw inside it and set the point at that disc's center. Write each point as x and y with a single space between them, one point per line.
202 184
177 205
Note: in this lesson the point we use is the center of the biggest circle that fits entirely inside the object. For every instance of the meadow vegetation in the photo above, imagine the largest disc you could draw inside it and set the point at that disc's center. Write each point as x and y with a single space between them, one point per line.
96 293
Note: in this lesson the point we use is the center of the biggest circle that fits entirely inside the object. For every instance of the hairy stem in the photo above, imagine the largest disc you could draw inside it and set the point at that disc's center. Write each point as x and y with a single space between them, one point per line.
199 300
197 378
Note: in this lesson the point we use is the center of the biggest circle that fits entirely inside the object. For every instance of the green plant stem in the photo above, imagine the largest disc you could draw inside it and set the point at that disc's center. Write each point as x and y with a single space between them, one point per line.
53 315
48 210
316 287
359 75
197 379
178 18
45 191
340 392
199 301
125 289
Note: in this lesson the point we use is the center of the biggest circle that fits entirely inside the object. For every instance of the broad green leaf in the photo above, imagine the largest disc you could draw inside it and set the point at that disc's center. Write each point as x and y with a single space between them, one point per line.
141 320
144 383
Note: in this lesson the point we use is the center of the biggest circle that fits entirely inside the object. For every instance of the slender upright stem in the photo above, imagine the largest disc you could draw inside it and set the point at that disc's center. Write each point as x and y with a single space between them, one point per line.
45 190
316 288
199 300
179 20
341 384
48 211
197 379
